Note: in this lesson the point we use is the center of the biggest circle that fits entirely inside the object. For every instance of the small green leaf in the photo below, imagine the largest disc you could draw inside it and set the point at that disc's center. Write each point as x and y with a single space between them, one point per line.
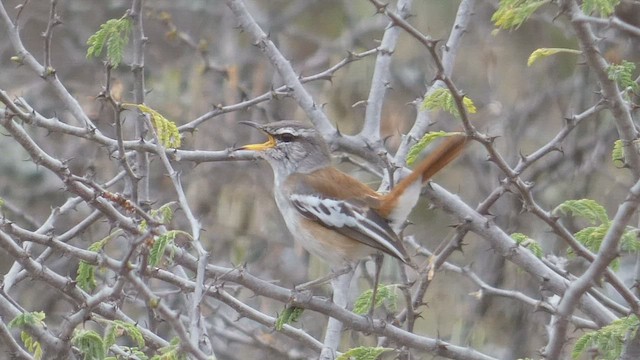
386 295
442 99
544 52
118 328
29 319
602 7
33 346
167 130
159 245
585 208
592 236
427 139
290 315
90 344
617 155
363 353
629 242
513 13
163 215
581 345
529 243
623 75
35 318
170 352
85 276
114 34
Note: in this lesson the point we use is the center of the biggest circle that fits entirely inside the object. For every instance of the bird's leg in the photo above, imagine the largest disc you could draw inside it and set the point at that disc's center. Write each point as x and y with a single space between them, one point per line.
377 260
320 281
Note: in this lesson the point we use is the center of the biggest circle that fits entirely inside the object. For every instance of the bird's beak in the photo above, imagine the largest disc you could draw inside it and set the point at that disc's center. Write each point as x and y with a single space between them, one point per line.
269 144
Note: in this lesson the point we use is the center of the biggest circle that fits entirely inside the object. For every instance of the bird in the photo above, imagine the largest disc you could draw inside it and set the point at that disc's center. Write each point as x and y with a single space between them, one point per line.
333 215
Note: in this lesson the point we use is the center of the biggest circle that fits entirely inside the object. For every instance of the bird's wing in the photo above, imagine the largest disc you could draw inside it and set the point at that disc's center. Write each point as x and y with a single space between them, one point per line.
328 197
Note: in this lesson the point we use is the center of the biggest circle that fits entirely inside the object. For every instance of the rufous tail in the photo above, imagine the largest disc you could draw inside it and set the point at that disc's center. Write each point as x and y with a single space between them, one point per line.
434 162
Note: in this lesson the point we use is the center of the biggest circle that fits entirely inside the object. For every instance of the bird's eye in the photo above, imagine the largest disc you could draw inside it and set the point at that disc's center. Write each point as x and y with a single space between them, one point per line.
287 137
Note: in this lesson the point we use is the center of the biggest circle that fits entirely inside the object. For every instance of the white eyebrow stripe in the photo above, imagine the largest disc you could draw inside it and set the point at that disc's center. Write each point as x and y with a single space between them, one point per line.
338 214
292 131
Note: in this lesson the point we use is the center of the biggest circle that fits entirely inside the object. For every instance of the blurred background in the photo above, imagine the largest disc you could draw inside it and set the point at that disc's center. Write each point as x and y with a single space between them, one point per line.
197 59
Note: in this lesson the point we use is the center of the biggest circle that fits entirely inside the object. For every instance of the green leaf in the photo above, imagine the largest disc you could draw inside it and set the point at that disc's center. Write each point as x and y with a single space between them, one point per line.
442 99
544 52
609 340
35 318
163 215
290 315
513 13
622 74
529 243
602 7
118 328
585 208
85 276
581 345
167 130
130 353
592 236
629 242
427 139
170 352
90 344
29 319
33 346
363 353
114 34
386 295
617 155
159 245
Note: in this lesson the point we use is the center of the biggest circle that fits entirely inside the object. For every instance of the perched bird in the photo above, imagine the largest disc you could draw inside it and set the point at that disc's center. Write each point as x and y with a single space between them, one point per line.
333 215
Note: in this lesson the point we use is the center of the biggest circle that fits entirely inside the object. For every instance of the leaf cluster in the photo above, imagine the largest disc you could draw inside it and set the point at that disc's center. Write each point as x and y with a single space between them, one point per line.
363 353
290 315
386 295
160 245
442 99
114 34
617 155
592 236
26 320
513 13
623 75
529 243
603 7
166 129
85 276
170 352
609 340
93 346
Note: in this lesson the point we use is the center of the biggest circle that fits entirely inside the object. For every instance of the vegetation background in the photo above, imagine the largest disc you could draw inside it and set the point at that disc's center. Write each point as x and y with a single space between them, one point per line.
91 198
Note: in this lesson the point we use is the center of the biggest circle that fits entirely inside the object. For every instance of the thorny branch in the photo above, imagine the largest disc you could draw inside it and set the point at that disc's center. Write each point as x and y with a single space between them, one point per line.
192 282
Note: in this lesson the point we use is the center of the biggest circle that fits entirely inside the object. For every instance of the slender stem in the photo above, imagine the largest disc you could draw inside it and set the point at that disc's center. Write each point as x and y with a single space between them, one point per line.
137 68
